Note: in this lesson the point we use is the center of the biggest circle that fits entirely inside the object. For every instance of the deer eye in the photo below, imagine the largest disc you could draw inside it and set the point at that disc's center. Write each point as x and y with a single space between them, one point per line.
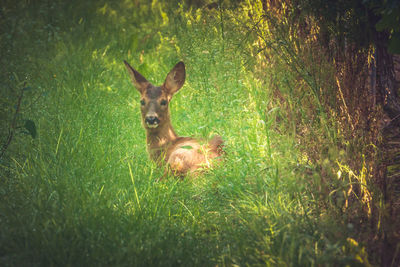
142 102
163 102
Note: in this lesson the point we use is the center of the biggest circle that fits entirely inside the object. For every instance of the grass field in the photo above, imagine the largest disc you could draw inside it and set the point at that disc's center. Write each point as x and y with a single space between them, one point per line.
83 192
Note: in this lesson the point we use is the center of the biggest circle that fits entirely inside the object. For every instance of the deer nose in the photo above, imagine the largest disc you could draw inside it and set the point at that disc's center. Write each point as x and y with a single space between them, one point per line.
152 120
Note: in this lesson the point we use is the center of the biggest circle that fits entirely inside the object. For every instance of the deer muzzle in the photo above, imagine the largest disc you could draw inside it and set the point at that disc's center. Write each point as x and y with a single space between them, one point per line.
152 121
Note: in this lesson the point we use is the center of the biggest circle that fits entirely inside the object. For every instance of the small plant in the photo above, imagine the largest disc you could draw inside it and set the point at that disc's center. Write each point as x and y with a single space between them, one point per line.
28 127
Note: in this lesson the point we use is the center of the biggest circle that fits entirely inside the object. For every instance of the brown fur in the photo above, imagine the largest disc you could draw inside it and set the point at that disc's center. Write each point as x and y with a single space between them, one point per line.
182 154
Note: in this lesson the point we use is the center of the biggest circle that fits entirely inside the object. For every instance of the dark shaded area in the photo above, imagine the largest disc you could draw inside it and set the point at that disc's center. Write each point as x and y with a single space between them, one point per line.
361 38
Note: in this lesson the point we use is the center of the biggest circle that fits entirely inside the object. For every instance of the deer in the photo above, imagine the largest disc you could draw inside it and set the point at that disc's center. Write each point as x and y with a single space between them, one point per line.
181 155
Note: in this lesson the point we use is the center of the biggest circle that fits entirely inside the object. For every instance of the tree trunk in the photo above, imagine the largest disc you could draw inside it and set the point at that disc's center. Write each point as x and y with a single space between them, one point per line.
389 182
387 86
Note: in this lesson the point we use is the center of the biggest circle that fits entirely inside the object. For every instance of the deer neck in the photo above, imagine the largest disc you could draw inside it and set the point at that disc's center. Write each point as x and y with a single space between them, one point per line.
160 138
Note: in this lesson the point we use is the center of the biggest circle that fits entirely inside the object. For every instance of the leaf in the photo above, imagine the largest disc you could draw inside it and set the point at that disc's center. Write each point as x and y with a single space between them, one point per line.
187 147
30 127
394 44
387 22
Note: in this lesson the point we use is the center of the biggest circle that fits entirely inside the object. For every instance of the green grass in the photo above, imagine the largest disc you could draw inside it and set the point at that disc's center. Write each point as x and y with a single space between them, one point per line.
83 192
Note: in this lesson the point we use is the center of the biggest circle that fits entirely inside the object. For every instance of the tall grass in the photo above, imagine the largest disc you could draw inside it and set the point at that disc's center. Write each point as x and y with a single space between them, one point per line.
83 192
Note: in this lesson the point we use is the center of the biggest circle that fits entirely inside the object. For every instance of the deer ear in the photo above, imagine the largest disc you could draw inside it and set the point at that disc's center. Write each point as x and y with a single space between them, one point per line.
138 80
175 78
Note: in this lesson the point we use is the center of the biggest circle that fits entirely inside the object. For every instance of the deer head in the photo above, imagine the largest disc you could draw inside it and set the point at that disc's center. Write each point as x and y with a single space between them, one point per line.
155 100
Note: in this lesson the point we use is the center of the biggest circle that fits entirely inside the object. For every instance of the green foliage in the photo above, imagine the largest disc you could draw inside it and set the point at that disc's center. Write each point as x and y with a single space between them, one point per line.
83 192
30 127
389 19
357 20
